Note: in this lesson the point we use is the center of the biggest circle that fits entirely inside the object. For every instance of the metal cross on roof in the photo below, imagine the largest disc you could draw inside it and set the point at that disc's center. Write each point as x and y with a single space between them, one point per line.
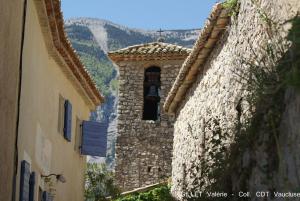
160 31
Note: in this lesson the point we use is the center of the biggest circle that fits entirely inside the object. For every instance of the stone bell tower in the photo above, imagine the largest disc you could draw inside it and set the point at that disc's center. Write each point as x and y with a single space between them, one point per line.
145 133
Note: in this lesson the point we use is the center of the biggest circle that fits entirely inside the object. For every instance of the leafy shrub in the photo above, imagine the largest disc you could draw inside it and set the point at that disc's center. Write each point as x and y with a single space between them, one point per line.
161 193
99 183
233 7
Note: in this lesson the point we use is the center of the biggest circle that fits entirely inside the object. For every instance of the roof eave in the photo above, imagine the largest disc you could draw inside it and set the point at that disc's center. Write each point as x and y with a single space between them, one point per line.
150 51
193 64
119 58
60 48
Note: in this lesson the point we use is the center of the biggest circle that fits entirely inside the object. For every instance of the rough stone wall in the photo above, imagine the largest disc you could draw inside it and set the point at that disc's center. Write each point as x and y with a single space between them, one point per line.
10 36
143 147
217 94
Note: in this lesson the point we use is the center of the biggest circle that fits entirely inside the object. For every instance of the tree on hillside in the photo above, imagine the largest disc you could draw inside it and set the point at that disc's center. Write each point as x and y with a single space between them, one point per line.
99 183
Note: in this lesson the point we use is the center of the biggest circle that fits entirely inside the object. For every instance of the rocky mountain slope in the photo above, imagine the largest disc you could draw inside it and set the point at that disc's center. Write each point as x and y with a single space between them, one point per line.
92 39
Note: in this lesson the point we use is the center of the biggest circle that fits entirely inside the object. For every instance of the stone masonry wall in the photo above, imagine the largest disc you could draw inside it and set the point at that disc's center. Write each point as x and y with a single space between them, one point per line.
217 94
143 148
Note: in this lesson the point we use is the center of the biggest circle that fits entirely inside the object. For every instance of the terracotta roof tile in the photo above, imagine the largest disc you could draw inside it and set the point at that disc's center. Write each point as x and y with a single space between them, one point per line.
155 50
52 23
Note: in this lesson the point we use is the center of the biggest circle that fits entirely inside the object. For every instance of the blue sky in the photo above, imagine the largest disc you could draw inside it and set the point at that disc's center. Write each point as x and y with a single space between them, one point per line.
145 14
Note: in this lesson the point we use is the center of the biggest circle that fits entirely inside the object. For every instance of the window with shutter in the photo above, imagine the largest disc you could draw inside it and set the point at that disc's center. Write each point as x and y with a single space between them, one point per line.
61 114
31 186
68 121
94 138
24 181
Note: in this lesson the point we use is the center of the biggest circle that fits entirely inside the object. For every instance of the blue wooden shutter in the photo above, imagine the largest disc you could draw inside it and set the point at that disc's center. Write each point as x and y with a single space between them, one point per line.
68 121
94 138
31 186
24 182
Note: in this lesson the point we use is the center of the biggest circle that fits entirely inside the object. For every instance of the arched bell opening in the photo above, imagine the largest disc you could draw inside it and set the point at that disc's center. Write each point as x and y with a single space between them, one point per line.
151 110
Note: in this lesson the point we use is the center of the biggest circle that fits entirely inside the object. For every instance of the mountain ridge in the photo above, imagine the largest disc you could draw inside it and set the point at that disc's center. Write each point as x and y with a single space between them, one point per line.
79 20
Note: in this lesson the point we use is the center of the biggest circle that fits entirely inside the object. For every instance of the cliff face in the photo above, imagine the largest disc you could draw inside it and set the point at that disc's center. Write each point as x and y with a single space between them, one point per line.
92 39
232 134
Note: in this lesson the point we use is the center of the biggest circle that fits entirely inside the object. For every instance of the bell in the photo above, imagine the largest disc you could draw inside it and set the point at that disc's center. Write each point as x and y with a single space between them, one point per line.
153 93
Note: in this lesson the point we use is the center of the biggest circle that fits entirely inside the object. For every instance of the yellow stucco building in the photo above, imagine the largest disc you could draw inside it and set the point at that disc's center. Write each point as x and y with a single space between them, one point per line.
57 96
11 13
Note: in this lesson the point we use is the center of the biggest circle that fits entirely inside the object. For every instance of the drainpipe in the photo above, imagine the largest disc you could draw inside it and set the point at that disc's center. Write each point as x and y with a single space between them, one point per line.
16 158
